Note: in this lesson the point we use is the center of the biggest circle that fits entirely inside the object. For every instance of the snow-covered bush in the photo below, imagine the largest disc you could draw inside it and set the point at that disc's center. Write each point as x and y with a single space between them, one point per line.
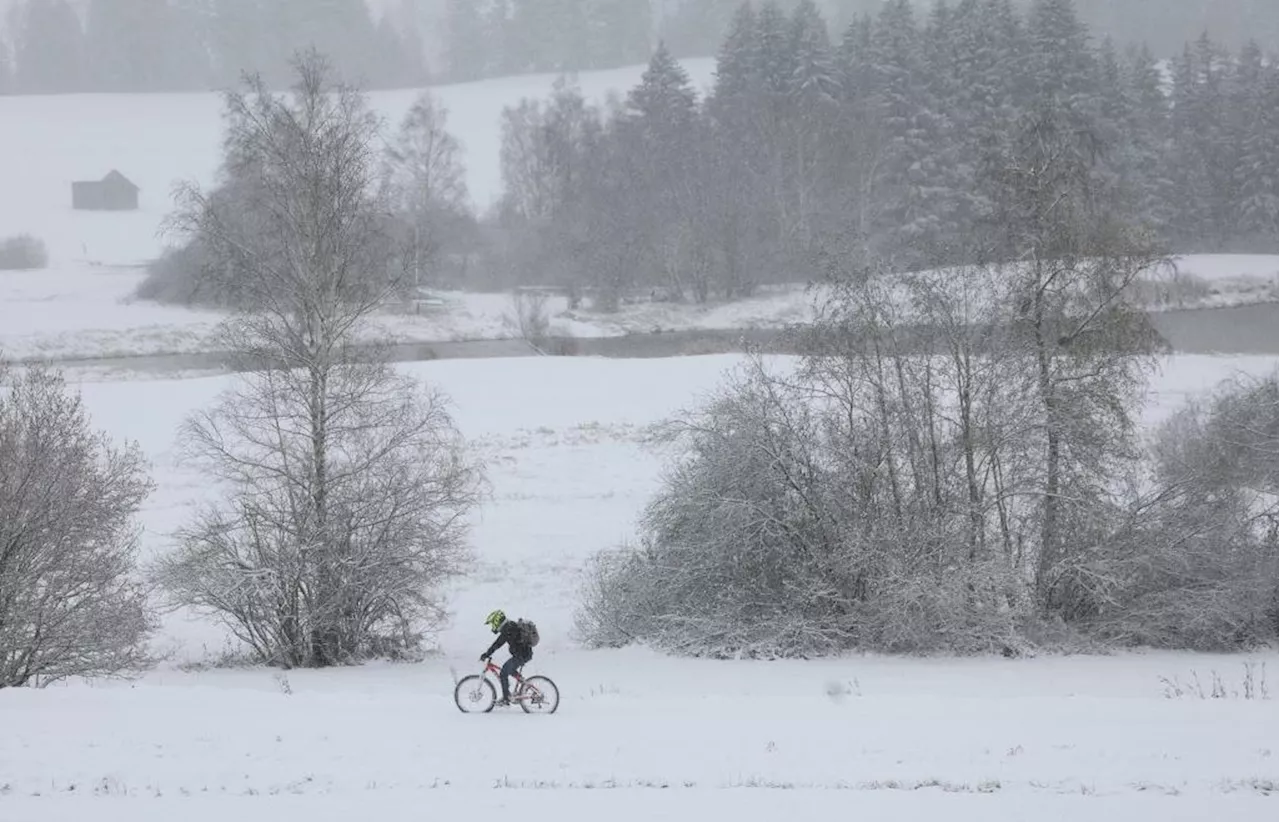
779 533
70 602
179 276
1195 565
22 252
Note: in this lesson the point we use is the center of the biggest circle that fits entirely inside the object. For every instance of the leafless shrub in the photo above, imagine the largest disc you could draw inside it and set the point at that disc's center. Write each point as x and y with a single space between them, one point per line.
22 252
346 485
1194 562
1251 686
529 314
231 655
755 547
70 604
1174 289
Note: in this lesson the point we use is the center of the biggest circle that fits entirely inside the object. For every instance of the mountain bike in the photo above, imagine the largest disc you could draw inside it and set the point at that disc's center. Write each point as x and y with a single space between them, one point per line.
478 693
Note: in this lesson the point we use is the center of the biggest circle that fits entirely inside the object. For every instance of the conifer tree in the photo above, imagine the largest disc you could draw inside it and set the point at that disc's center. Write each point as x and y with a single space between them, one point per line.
1146 135
1060 64
736 60
1253 124
664 104
6 70
775 60
852 60
814 73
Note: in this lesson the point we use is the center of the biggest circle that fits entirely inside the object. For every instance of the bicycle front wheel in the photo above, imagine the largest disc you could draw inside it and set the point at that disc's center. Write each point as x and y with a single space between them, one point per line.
474 695
540 696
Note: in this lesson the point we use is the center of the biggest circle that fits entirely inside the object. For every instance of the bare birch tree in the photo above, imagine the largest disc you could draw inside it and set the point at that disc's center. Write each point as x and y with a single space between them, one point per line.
71 604
345 485
1075 260
425 183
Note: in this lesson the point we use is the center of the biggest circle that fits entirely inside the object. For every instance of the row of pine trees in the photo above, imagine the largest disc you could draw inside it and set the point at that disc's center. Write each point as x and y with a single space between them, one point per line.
891 139
171 45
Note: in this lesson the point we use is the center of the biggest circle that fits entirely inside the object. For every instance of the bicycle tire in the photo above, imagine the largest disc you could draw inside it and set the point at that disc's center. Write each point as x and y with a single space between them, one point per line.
550 695
485 696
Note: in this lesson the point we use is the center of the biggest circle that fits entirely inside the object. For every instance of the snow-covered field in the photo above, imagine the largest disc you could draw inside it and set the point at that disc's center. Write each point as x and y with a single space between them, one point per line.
638 736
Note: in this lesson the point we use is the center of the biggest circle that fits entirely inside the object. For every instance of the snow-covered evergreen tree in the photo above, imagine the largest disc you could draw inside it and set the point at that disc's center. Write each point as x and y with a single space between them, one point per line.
1060 65
814 73
1202 156
853 60
1114 108
1253 124
6 70
664 104
982 101
736 60
775 65
905 221
1147 136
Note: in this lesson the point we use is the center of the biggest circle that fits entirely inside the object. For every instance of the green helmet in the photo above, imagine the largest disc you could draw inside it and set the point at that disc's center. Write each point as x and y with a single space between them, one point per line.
494 620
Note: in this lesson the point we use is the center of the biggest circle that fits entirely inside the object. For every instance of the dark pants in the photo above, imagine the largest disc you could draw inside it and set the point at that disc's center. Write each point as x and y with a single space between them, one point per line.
515 663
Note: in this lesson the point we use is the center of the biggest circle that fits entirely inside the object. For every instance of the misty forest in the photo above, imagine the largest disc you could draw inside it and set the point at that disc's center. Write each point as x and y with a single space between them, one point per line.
52 46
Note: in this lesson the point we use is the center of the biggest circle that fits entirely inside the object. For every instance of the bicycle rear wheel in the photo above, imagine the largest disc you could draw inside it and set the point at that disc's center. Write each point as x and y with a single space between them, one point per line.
540 696
474 695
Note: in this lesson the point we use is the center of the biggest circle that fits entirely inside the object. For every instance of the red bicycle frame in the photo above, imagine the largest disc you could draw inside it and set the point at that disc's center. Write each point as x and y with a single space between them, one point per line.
521 685
490 668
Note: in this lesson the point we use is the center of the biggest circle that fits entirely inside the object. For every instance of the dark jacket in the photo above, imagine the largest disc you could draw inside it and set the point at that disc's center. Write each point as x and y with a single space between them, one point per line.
510 634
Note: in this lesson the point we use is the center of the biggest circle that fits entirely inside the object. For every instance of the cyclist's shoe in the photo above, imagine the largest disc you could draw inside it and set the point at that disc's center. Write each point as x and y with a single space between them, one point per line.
505 702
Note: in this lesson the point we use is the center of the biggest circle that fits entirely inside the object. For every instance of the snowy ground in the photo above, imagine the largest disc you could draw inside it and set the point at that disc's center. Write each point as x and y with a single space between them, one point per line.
78 311
1219 280
638 736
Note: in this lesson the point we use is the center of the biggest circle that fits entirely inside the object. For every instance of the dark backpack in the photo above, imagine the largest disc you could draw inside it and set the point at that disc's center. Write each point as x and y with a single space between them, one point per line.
528 632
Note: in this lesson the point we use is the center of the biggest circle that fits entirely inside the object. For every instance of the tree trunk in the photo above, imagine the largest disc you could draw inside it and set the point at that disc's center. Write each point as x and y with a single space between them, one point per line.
1050 549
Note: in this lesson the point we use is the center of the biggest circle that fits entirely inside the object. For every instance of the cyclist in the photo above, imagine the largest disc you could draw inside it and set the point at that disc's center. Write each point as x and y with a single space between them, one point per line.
509 634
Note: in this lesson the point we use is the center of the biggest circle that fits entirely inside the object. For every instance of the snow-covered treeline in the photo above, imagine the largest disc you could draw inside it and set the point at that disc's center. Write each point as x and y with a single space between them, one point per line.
888 139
